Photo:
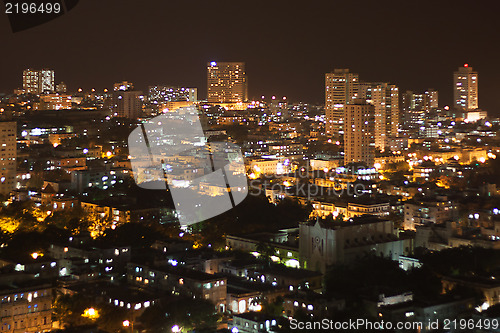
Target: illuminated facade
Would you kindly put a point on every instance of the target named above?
(385, 99)
(340, 87)
(7, 157)
(27, 309)
(54, 102)
(465, 88)
(226, 82)
(386, 103)
(322, 244)
(415, 107)
(38, 81)
(161, 94)
(127, 101)
(61, 88)
(359, 133)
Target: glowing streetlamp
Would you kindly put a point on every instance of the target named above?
(126, 323)
(176, 329)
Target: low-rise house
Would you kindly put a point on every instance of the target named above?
(181, 281)
(286, 277)
(313, 304)
(254, 322)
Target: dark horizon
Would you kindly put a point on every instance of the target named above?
(287, 46)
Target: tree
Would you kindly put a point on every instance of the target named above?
(9, 224)
(273, 309)
(70, 310)
(266, 251)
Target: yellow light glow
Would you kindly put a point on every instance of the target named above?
(90, 313)
(126, 323)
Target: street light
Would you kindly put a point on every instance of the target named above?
(126, 323)
(176, 329)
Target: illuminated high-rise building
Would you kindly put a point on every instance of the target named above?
(465, 88)
(416, 107)
(385, 99)
(123, 86)
(127, 102)
(341, 87)
(226, 82)
(61, 88)
(431, 99)
(359, 141)
(38, 81)
(7, 156)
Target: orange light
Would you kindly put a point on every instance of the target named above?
(90, 313)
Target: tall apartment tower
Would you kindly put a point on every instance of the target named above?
(38, 81)
(359, 141)
(7, 156)
(415, 107)
(431, 99)
(385, 99)
(226, 82)
(127, 101)
(341, 87)
(465, 85)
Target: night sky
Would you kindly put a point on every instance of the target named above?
(287, 45)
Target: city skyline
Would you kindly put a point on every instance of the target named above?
(418, 59)
(256, 167)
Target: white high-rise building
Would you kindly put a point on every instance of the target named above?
(8, 155)
(341, 87)
(465, 88)
(359, 142)
(38, 81)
